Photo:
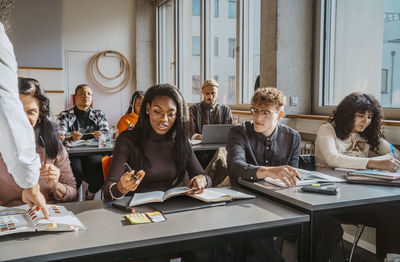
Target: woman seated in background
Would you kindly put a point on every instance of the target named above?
(128, 121)
(352, 134)
(57, 183)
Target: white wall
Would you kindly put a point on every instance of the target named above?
(90, 26)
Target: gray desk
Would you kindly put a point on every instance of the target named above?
(90, 150)
(202, 147)
(352, 197)
(109, 237)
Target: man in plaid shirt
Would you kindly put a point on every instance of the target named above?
(83, 122)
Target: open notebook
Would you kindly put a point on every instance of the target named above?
(307, 178)
(209, 195)
(25, 219)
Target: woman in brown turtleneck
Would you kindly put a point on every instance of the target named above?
(157, 148)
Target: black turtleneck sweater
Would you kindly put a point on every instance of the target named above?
(83, 123)
(161, 170)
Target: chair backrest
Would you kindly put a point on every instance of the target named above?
(105, 164)
(307, 162)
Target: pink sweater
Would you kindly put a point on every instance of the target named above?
(10, 192)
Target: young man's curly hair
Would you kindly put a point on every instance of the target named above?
(268, 96)
(344, 114)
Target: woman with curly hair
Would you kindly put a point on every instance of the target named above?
(354, 132)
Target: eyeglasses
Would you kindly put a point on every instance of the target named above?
(264, 113)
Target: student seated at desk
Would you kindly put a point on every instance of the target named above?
(57, 183)
(158, 150)
(208, 111)
(83, 122)
(128, 121)
(353, 132)
(264, 148)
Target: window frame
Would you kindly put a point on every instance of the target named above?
(320, 70)
(207, 47)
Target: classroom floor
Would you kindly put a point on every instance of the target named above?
(360, 254)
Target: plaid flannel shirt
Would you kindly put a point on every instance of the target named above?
(67, 118)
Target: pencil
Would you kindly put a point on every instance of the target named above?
(129, 169)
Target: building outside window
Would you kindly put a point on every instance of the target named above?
(232, 8)
(196, 7)
(215, 46)
(216, 8)
(231, 47)
(362, 52)
(196, 45)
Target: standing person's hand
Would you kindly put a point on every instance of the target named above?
(32, 196)
(76, 135)
(198, 183)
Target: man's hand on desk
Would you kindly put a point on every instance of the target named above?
(286, 174)
(198, 137)
(97, 134)
(33, 196)
(76, 135)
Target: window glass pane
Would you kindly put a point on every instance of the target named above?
(223, 63)
(232, 9)
(166, 62)
(189, 50)
(196, 45)
(250, 47)
(216, 8)
(390, 83)
(196, 7)
(362, 51)
(215, 46)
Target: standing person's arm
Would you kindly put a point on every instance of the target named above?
(16, 134)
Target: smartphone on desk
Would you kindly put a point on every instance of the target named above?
(321, 189)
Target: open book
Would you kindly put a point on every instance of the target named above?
(306, 178)
(209, 195)
(24, 219)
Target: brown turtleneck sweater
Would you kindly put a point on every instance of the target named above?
(161, 171)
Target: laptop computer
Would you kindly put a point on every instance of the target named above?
(215, 134)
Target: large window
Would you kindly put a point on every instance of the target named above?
(166, 43)
(361, 51)
(207, 41)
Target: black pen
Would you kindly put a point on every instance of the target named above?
(129, 169)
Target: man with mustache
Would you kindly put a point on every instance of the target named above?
(83, 122)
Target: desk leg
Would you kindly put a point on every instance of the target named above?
(303, 245)
(313, 237)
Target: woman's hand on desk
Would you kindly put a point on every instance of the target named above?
(391, 165)
(286, 174)
(198, 183)
(128, 183)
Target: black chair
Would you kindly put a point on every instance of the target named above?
(307, 162)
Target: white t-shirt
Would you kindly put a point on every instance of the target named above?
(17, 142)
(352, 152)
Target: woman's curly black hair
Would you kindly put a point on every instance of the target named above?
(343, 118)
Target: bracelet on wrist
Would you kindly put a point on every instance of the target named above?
(112, 196)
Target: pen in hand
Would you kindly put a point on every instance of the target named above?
(391, 147)
(129, 169)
